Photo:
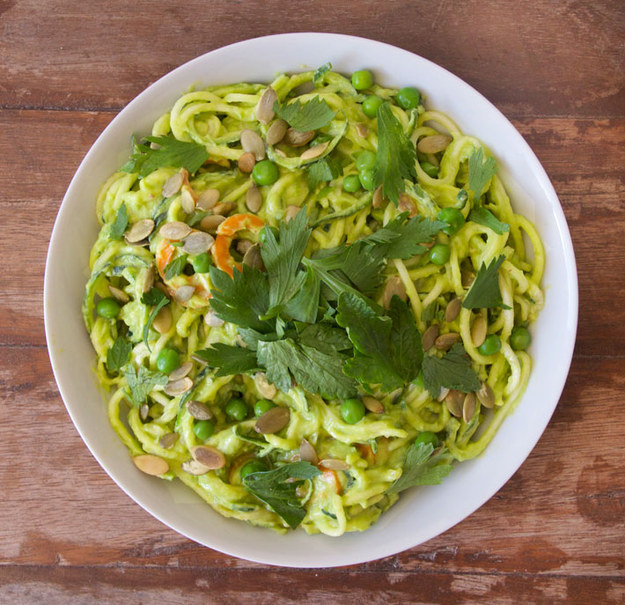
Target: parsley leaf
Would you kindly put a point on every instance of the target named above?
(142, 382)
(405, 340)
(396, 155)
(316, 370)
(153, 297)
(176, 266)
(320, 72)
(159, 300)
(310, 115)
(485, 292)
(326, 169)
(422, 467)
(119, 354)
(229, 360)
(485, 217)
(453, 371)
(324, 337)
(272, 488)
(305, 304)
(170, 153)
(121, 222)
(480, 171)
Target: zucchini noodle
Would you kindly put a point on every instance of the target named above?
(372, 451)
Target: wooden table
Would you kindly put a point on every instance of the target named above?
(555, 533)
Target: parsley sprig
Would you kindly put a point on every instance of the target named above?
(310, 115)
(422, 467)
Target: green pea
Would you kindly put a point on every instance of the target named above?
(439, 254)
(262, 406)
(370, 105)
(203, 429)
(167, 360)
(365, 160)
(454, 219)
(427, 437)
(201, 263)
(362, 79)
(265, 172)
(351, 183)
(237, 409)
(367, 179)
(408, 97)
(520, 338)
(491, 345)
(352, 411)
(429, 169)
(253, 466)
(108, 308)
(262, 236)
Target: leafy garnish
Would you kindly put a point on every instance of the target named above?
(170, 153)
(305, 304)
(159, 300)
(142, 382)
(228, 359)
(320, 72)
(480, 172)
(176, 266)
(453, 371)
(309, 115)
(153, 297)
(278, 489)
(326, 169)
(119, 354)
(323, 336)
(485, 217)
(121, 222)
(396, 155)
(422, 467)
(485, 292)
(405, 340)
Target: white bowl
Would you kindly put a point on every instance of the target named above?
(421, 513)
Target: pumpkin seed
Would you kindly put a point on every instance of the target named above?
(434, 143)
(246, 162)
(291, 212)
(264, 387)
(486, 396)
(466, 277)
(172, 185)
(307, 452)
(252, 257)
(207, 199)
(394, 287)
(407, 205)
(175, 230)
(253, 199)
(314, 152)
(276, 132)
(193, 467)
(198, 410)
(332, 464)
(454, 402)
(453, 309)
(148, 279)
(264, 109)
(429, 336)
(144, 410)
(168, 440)
(251, 141)
(297, 138)
(224, 208)
(468, 407)
(139, 231)
(445, 341)
(177, 387)
(187, 201)
(362, 130)
(478, 330)
(212, 320)
(372, 404)
(243, 245)
(163, 320)
(273, 420)
(212, 221)
(198, 242)
(209, 456)
(181, 371)
(151, 465)
(118, 294)
(442, 394)
(378, 198)
(184, 293)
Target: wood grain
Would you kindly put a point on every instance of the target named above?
(555, 533)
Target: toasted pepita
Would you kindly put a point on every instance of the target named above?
(139, 231)
(209, 456)
(212, 221)
(207, 199)
(253, 199)
(297, 138)
(187, 201)
(291, 212)
(264, 387)
(198, 242)
(453, 309)
(307, 452)
(118, 294)
(251, 142)
(393, 287)
(177, 387)
(362, 130)
(454, 402)
(373, 404)
(175, 230)
(264, 109)
(273, 420)
(181, 371)
(276, 132)
(150, 464)
(224, 208)
(184, 293)
(445, 341)
(252, 257)
(486, 395)
(333, 464)
(168, 440)
(199, 410)
(478, 330)
(246, 162)
(172, 185)
(163, 320)
(429, 336)
(434, 143)
(314, 152)
(193, 467)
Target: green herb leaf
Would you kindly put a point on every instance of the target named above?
(324, 337)
(119, 354)
(407, 349)
(317, 371)
(480, 172)
(229, 360)
(176, 266)
(309, 115)
(272, 488)
(422, 467)
(485, 217)
(153, 297)
(305, 304)
(142, 382)
(324, 170)
(453, 371)
(320, 72)
(396, 155)
(485, 292)
(118, 227)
